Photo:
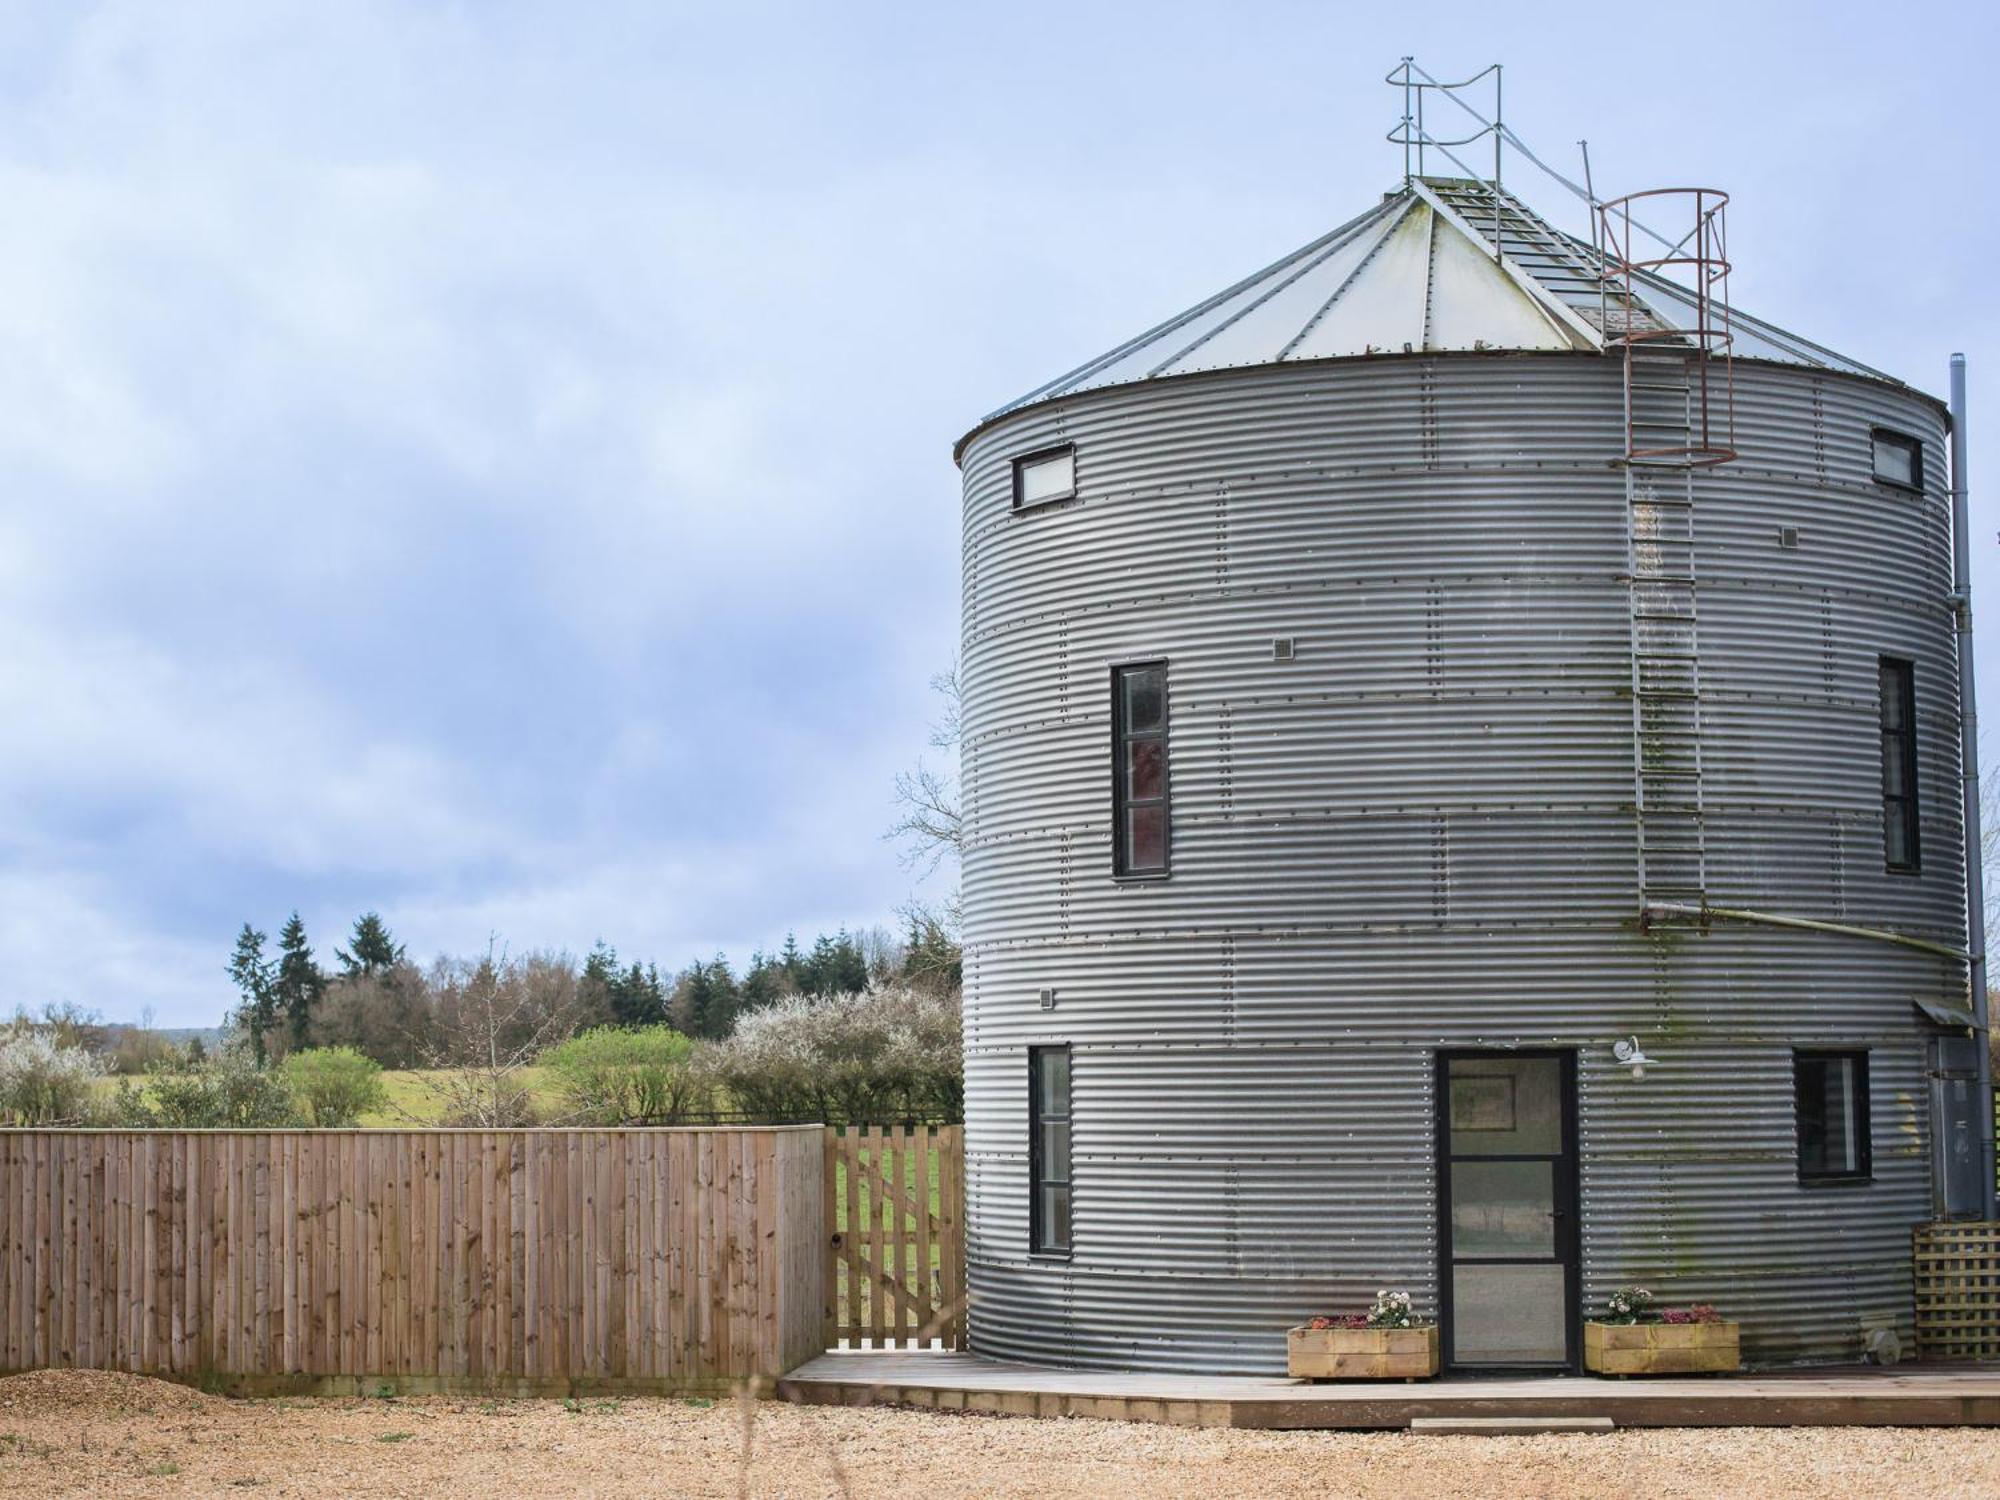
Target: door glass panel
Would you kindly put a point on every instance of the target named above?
(1507, 1249)
(1503, 1209)
(1506, 1106)
(1508, 1315)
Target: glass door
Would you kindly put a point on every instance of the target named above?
(1507, 1181)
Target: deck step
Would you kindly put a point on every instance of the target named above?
(1507, 1426)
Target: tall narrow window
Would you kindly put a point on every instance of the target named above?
(1048, 1150)
(1831, 1091)
(1899, 766)
(1140, 825)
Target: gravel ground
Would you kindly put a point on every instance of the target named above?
(84, 1433)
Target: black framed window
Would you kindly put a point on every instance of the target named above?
(1900, 852)
(1141, 826)
(1045, 476)
(1898, 459)
(1831, 1089)
(1048, 1150)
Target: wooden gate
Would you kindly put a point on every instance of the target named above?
(895, 1213)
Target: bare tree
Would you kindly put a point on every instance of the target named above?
(930, 826)
(494, 1019)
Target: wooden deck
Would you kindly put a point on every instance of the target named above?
(1909, 1396)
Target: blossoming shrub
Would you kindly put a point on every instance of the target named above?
(44, 1083)
(889, 1053)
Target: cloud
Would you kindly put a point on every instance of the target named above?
(491, 463)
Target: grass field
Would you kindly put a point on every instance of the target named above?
(413, 1102)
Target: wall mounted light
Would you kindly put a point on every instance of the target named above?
(1627, 1052)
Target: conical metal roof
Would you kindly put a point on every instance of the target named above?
(1417, 273)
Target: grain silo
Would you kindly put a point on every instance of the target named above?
(1462, 789)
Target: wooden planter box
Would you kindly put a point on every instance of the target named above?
(1660, 1348)
(1362, 1353)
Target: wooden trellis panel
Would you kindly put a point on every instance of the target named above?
(895, 1216)
(1957, 1280)
(520, 1259)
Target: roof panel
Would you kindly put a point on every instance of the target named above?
(1285, 309)
(1403, 274)
(1474, 305)
(1379, 309)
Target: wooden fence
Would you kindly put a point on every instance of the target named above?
(895, 1271)
(526, 1260)
(1956, 1275)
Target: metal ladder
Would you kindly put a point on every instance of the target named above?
(1665, 627)
(1679, 408)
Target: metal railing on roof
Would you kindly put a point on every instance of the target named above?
(1412, 134)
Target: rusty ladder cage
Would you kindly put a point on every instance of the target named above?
(1707, 425)
(1679, 418)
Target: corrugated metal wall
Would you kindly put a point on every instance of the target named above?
(1419, 833)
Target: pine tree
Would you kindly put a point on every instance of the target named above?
(251, 973)
(850, 965)
(931, 956)
(636, 996)
(656, 996)
(816, 973)
(370, 950)
(299, 983)
(836, 966)
(763, 982)
(706, 999)
(601, 966)
(793, 965)
(725, 999)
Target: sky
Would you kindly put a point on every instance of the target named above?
(491, 463)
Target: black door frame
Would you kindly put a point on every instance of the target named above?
(1568, 1206)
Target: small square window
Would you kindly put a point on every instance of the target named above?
(1045, 476)
(1899, 459)
(1831, 1095)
